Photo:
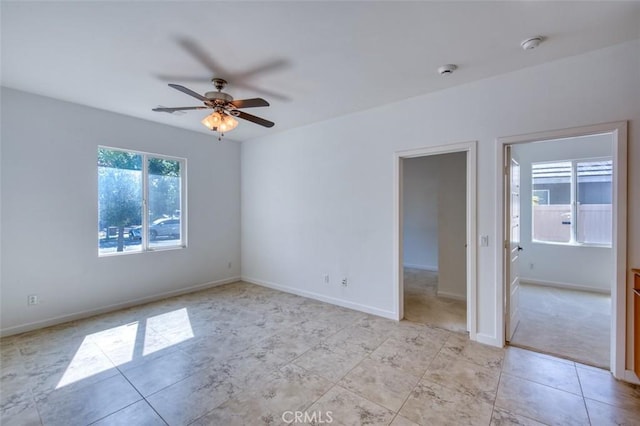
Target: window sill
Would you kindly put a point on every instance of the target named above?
(150, 250)
(555, 243)
(166, 248)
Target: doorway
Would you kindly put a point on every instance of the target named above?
(564, 269)
(435, 236)
(434, 207)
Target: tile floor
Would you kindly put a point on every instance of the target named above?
(567, 323)
(422, 304)
(240, 354)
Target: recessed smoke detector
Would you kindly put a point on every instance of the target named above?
(531, 43)
(447, 69)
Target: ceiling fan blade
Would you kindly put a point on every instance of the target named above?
(268, 93)
(189, 92)
(183, 78)
(261, 69)
(254, 119)
(166, 109)
(201, 56)
(249, 103)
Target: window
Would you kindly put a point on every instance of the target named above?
(572, 202)
(140, 201)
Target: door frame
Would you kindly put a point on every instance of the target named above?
(619, 289)
(471, 264)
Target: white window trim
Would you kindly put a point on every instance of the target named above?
(144, 239)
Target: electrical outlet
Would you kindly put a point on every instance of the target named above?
(325, 277)
(345, 282)
(229, 265)
(484, 241)
(32, 299)
(531, 265)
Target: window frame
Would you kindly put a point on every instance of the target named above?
(573, 242)
(144, 234)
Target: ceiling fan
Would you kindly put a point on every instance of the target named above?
(224, 107)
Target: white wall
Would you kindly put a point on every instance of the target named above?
(588, 268)
(319, 199)
(49, 212)
(420, 182)
(452, 225)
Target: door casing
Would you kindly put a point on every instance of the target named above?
(619, 289)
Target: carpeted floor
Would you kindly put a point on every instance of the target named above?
(421, 303)
(570, 324)
(567, 323)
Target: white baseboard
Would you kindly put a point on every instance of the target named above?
(567, 286)
(453, 296)
(630, 376)
(109, 308)
(322, 298)
(489, 340)
(429, 268)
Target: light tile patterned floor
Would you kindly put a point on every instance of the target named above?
(422, 303)
(246, 355)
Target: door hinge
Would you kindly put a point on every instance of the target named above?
(506, 244)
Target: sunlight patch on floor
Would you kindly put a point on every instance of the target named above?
(175, 326)
(106, 349)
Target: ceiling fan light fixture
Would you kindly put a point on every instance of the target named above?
(219, 122)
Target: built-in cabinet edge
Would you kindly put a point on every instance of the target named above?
(636, 321)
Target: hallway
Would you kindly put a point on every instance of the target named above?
(421, 303)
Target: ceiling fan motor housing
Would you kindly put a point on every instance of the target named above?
(218, 96)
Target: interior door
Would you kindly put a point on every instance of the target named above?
(512, 244)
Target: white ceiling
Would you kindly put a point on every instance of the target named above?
(310, 60)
